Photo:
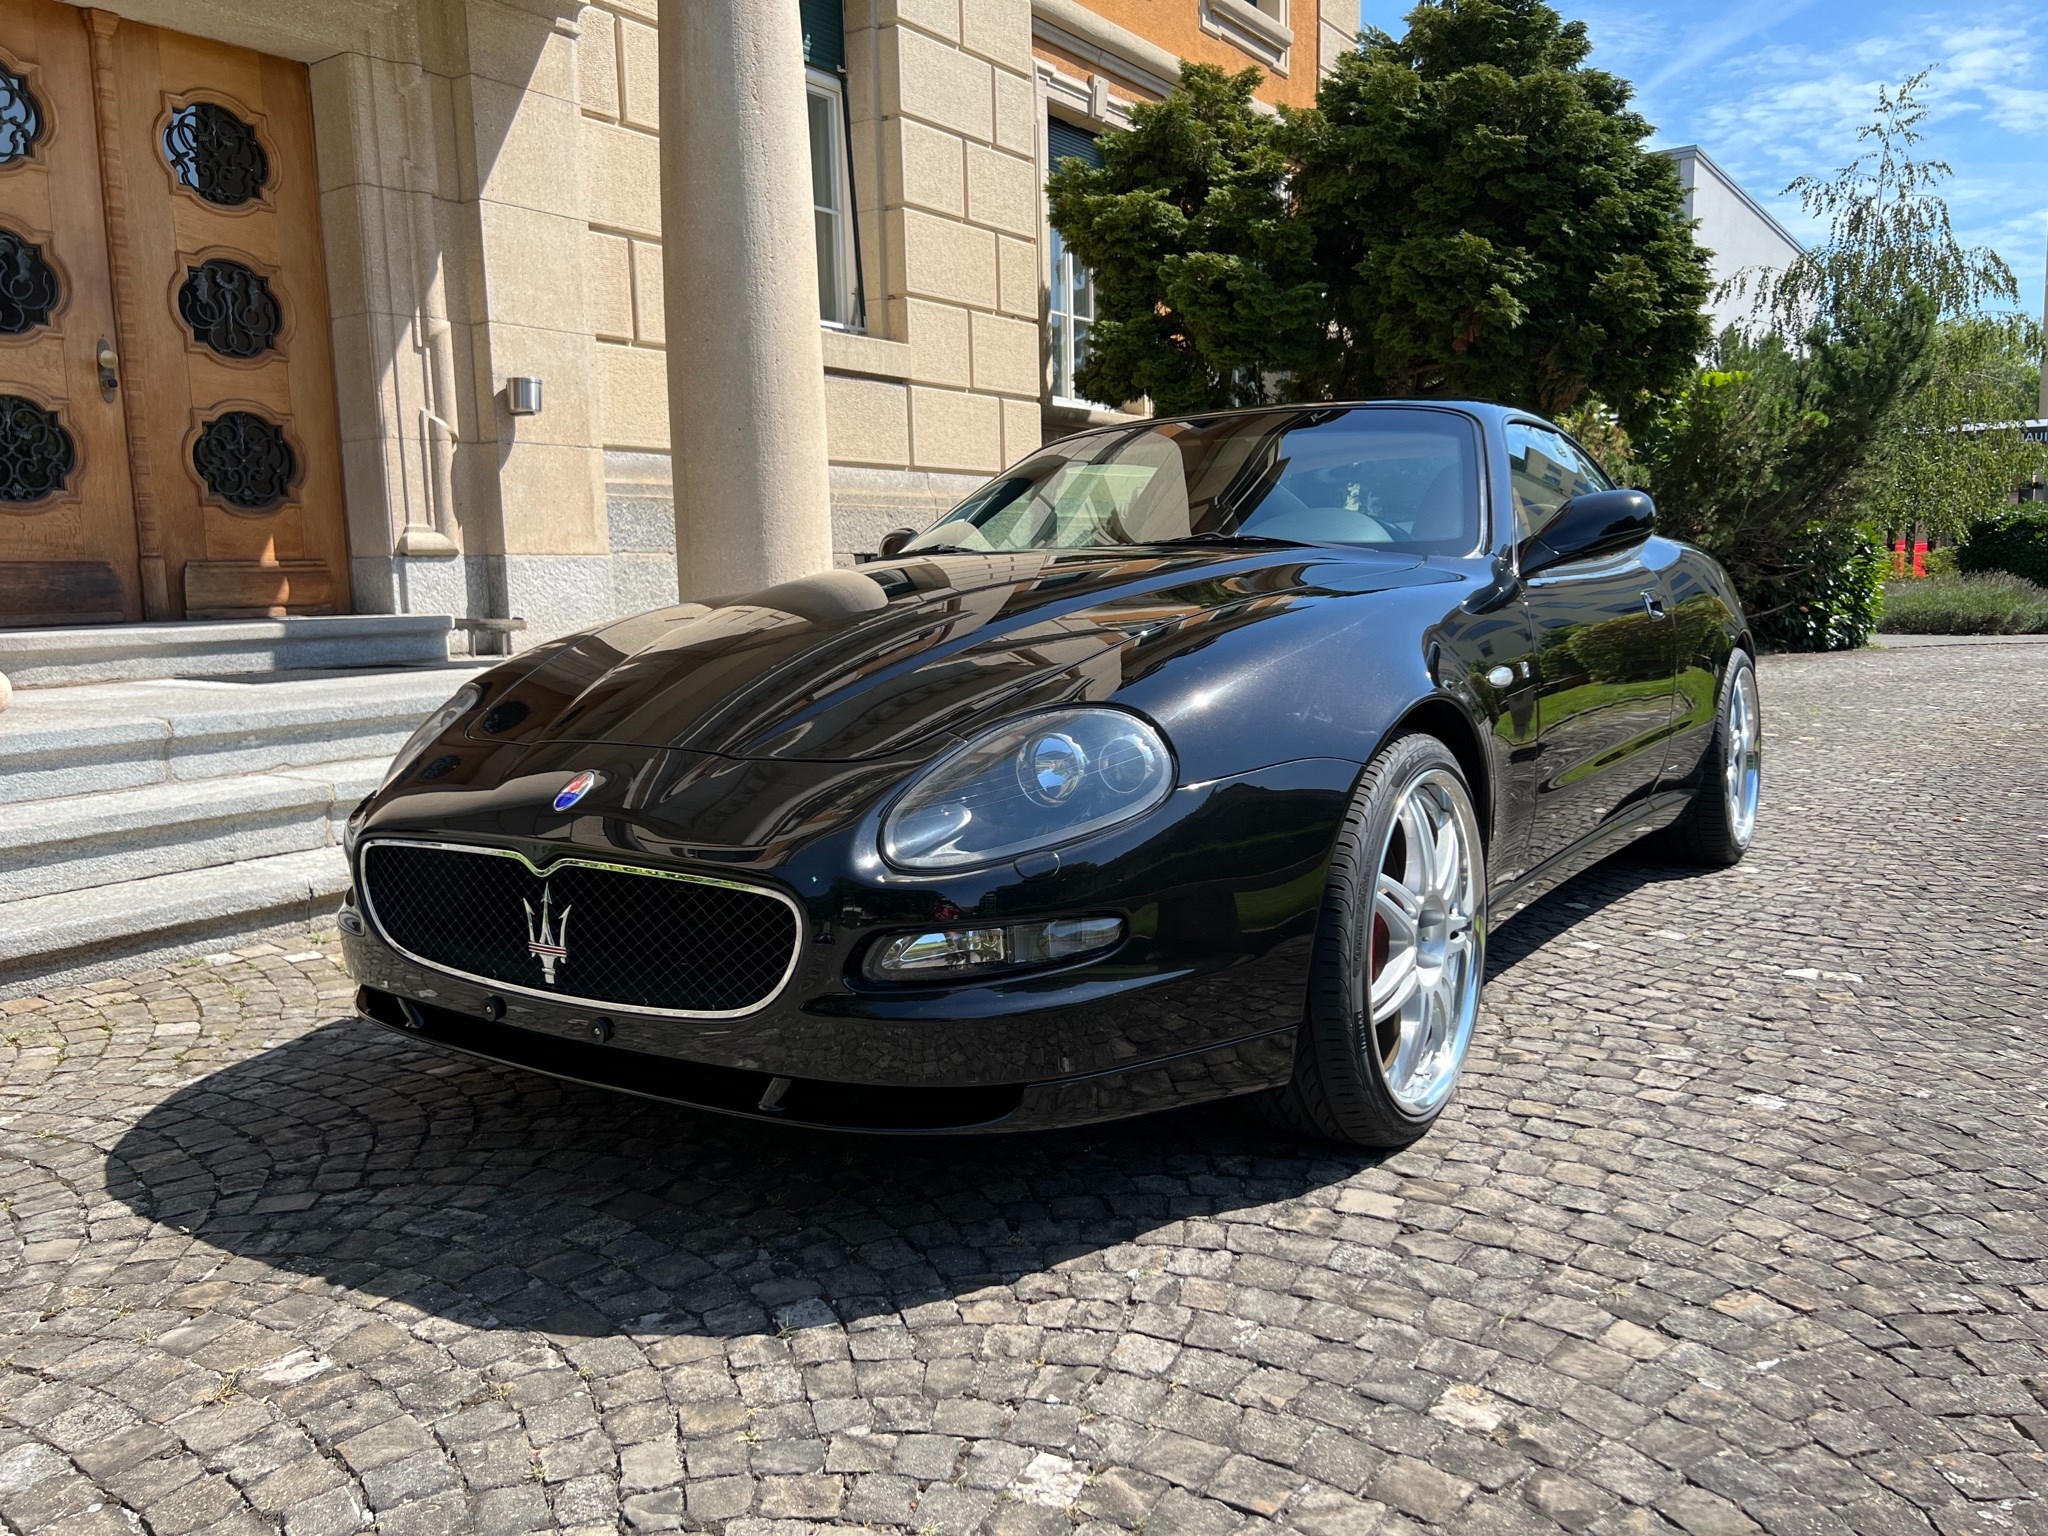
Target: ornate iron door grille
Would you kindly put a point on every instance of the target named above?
(245, 461)
(36, 453)
(28, 288)
(230, 308)
(615, 936)
(21, 117)
(215, 154)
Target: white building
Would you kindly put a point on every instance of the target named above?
(1738, 231)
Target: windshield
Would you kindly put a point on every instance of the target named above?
(1391, 477)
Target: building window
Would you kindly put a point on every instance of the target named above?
(1070, 314)
(1070, 300)
(1259, 27)
(839, 297)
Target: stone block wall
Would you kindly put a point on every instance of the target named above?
(943, 387)
(491, 192)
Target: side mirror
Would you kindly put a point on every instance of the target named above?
(893, 542)
(1598, 523)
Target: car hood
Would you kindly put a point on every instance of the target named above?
(875, 661)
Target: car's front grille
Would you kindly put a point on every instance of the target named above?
(645, 940)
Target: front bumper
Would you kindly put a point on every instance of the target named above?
(1220, 889)
(1218, 1071)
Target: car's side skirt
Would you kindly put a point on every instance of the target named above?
(1651, 815)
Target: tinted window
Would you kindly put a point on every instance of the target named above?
(1391, 477)
(1545, 470)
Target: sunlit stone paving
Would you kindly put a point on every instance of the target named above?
(1740, 1221)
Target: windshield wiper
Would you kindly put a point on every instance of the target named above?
(1235, 538)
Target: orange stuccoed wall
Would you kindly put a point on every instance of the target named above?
(1176, 25)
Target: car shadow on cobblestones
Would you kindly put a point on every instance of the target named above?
(1552, 916)
(497, 1198)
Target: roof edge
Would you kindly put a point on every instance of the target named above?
(1734, 186)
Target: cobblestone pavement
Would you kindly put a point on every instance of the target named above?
(1739, 1222)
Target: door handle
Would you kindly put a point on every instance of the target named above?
(1653, 605)
(108, 362)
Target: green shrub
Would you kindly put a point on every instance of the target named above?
(1993, 603)
(1826, 595)
(1942, 562)
(2017, 543)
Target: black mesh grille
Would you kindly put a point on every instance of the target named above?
(644, 940)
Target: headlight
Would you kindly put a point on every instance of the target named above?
(1027, 784)
(467, 697)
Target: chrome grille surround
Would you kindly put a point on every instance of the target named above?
(366, 890)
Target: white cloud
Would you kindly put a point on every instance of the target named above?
(1774, 103)
(1710, 40)
(2018, 109)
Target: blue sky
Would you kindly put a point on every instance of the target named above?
(1773, 89)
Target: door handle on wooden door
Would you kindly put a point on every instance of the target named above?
(110, 380)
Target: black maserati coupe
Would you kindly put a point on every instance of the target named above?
(1186, 759)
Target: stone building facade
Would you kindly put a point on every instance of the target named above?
(440, 367)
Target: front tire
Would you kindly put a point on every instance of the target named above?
(1400, 956)
(1716, 828)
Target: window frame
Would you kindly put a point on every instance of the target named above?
(1060, 338)
(1062, 263)
(824, 85)
(1524, 531)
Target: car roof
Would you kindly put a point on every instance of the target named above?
(1485, 410)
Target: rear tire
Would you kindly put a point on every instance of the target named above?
(1400, 957)
(1716, 829)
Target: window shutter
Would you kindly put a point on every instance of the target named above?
(824, 23)
(1063, 141)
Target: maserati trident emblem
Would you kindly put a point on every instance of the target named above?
(547, 941)
(575, 789)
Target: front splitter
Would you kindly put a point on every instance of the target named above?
(1234, 1067)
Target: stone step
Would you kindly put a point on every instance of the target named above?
(48, 847)
(49, 933)
(49, 658)
(97, 738)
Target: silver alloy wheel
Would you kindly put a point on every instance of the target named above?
(1742, 771)
(1427, 942)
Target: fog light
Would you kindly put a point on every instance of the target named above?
(951, 951)
(1031, 943)
(948, 949)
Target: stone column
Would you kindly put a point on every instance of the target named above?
(746, 385)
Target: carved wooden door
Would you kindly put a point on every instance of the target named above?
(213, 206)
(67, 529)
(168, 441)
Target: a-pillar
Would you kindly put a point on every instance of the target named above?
(746, 386)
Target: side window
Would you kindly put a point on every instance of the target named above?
(1070, 311)
(839, 296)
(1545, 470)
(1070, 292)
